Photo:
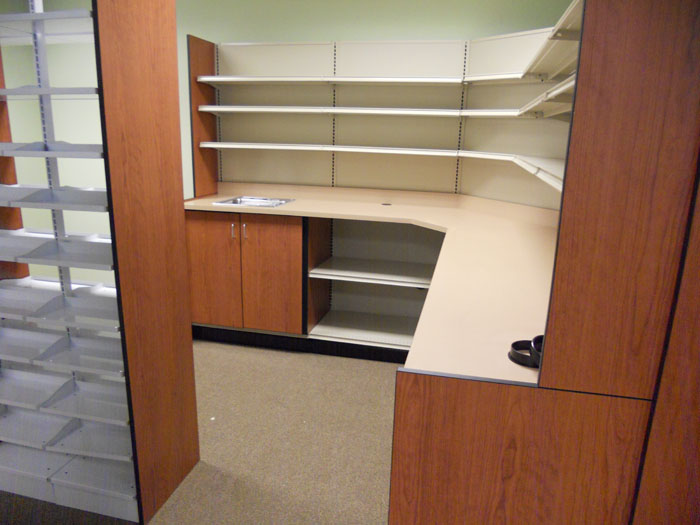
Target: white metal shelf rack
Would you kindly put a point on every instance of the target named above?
(64, 418)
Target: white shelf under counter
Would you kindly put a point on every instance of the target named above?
(393, 273)
(390, 331)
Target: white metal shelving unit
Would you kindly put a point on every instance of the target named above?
(64, 418)
(553, 102)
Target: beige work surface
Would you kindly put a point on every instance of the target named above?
(492, 279)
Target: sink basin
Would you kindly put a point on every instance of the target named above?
(258, 202)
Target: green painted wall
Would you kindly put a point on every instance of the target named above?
(328, 20)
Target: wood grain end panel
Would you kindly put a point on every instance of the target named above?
(631, 168)
(205, 161)
(138, 71)
(670, 482)
(319, 250)
(10, 218)
(475, 452)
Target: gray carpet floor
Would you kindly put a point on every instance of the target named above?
(287, 438)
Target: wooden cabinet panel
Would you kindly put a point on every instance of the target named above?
(215, 267)
(10, 218)
(319, 250)
(477, 452)
(205, 162)
(670, 483)
(271, 263)
(141, 125)
(629, 179)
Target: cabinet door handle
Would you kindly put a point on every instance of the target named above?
(233, 230)
(245, 233)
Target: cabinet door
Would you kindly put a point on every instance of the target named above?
(214, 248)
(272, 272)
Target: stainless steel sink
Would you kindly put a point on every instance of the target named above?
(258, 202)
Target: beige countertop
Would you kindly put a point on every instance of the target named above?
(492, 279)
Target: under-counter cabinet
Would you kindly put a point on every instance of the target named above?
(246, 270)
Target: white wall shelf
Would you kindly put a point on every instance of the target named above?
(391, 331)
(30, 428)
(548, 170)
(51, 150)
(552, 102)
(393, 273)
(99, 402)
(24, 346)
(558, 55)
(222, 80)
(94, 440)
(27, 389)
(65, 198)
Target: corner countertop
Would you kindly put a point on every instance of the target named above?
(491, 283)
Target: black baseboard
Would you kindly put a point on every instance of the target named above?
(299, 344)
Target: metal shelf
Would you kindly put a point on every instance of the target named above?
(559, 53)
(215, 80)
(94, 252)
(90, 307)
(59, 27)
(24, 461)
(51, 150)
(108, 478)
(393, 273)
(29, 428)
(94, 440)
(65, 198)
(25, 91)
(550, 171)
(28, 389)
(24, 346)
(92, 355)
(103, 403)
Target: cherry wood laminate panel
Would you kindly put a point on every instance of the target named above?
(319, 250)
(138, 56)
(205, 161)
(670, 483)
(629, 179)
(476, 452)
(271, 263)
(10, 218)
(214, 250)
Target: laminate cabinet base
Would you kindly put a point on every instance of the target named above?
(299, 344)
(478, 452)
